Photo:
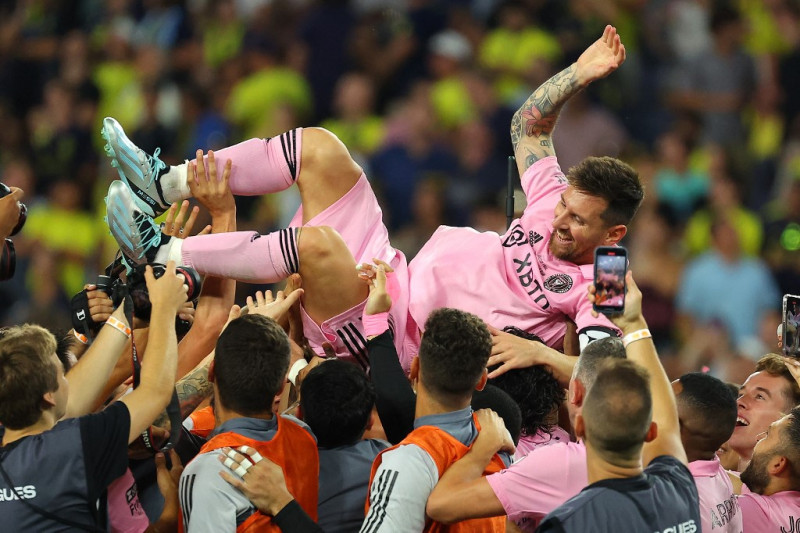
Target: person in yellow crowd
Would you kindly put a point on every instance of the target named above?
(223, 33)
(450, 52)
(516, 51)
(355, 121)
(256, 99)
(724, 202)
(60, 226)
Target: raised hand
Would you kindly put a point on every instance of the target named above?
(177, 224)
(274, 308)
(211, 191)
(167, 292)
(380, 299)
(602, 57)
(631, 318)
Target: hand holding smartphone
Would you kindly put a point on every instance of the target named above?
(791, 325)
(610, 266)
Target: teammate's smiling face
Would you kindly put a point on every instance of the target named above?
(578, 227)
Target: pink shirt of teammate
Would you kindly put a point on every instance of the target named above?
(540, 482)
(125, 513)
(719, 510)
(509, 279)
(778, 513)
(529, 443)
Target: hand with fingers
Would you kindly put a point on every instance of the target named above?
(259, 479)
(602, 57)
(10, 211)
(100, 305)
(167, 293)
(794, 367)
(512, 352)
(380, 299)
(177, 224)
(212, 191)
(274, 308)
(168, 480)
(493, 436)
(631, 318)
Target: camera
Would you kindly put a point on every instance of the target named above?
(134, 286)
(8, 256)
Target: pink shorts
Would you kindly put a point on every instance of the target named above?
(359, 220)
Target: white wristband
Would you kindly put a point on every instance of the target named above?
(634, 336)
(298, 365)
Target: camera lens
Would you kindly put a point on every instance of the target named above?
(23, 210)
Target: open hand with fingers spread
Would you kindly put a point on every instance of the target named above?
(602, 57)
(274, 308)
(211, 190)
(180, 223)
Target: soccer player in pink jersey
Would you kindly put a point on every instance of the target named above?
(770, 499)
(536, 272)
(707, 412)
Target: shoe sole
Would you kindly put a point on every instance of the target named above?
(143, 200)
(118, 228)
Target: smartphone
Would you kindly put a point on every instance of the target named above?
(791, 325)
(610, 266)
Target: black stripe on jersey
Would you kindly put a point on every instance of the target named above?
(359, 341)
(287, 239)
(186, 498)
(382, 495)
(343, 334)
(288, 145)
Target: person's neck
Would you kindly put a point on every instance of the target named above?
(599, 469)
(428, 405)
(45, 423)
(779, 484)
(698, 455)
(223, 415)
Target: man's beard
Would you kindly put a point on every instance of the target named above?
(557, 253)
(755, 476)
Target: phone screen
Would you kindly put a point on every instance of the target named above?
(791, 325)
(610, 265)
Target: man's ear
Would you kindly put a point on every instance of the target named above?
(777, 465)
(482, 382)
(49, 399)
(652, 432)
(211, 375)
(414, 374)
(577, 392)
(614, 234)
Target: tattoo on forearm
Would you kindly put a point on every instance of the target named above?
(538, 114)
(192, 390)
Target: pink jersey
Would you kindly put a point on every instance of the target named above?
(528, 443)
(719, 509)
(125, 513)
(540, 482)
(778, 513)
(509, 279)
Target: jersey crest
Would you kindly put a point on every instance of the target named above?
(558, 283)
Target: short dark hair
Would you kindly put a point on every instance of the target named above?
(594, 355)
(27, 372)
(336, 401)
(774, 365)
(453, 353)
(500, 402)
(250, 364)
(534, 389)
(612, 180)
(708, 410)
(790, 444)
(618, 410)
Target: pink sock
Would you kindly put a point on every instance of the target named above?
(244, 255)
(261, 166)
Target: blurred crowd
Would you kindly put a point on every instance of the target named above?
(422, 92)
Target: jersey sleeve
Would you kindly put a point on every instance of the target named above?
(400, 490)
(538, 483)
(104, 437)
(543, 184)
(208, 503)
(591, 328)
(755, 512)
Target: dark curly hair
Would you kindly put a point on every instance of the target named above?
(534, 389)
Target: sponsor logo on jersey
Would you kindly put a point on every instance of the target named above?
(684, 527)
(559, 283)
(534, 237)
(515, 237)
(529, 282)
(28, 492)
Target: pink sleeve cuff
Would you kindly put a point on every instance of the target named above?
(375, 324)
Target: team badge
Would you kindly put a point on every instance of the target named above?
(559, 283)
(515, 237)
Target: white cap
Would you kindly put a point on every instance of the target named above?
(451, 44)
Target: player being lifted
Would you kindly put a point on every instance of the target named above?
(532, 276)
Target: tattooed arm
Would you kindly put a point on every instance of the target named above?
(192, 390)
(533, 123)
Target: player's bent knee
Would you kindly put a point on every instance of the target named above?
(321, 243)
(323, 151)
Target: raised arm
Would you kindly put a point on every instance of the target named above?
(167, 295)
(533, 123)
(643, 352)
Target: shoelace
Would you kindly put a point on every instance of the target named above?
(147, 242)
(156, 165)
